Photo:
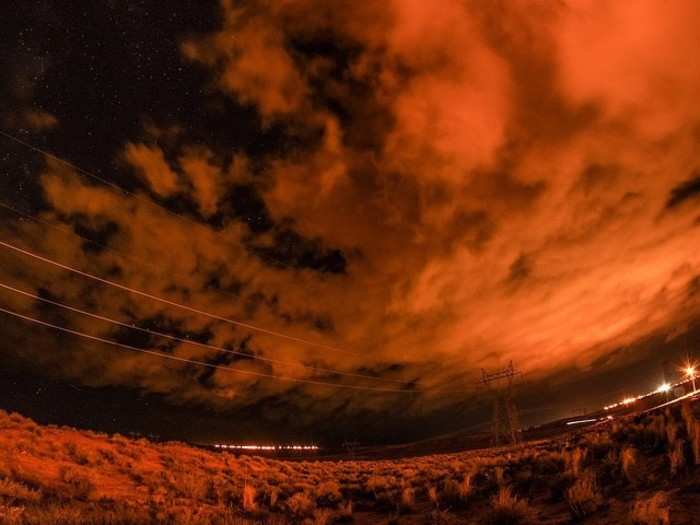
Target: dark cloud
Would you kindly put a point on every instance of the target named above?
(685, 191)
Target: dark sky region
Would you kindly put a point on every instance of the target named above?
(406, 191)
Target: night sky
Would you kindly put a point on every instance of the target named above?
(383, 196)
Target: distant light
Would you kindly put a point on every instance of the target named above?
(628, 400)
(665, 387)
(690, 371)
(581, 421)
(265, 447)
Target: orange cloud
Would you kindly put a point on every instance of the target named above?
(150, 164)
(497, 178)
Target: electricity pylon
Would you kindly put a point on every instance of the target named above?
(506, 427)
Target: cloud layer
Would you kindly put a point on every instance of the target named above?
(462, 185)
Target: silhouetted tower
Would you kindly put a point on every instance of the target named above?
(506, 427)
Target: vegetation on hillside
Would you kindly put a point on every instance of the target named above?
(641, 470)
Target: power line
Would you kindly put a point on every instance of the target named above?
(191, 342)
(66, 162)
(196, 362)
(103, 246)
(38, 220)
(150, 202)
(171, 303)
(434, 390)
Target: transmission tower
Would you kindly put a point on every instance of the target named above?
(506, 427)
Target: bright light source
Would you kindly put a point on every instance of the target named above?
(628, 400)
(664, 388)
(690, 371)
(581, 421)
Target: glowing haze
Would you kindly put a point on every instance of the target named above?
(456, 185)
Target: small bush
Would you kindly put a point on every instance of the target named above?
(433, 496)
(249, 503)
(574, 460)
(15, 491)
(328, 494)
(75, 454)
(322, 517)
(344, 514)
(583, 496)
(76, 486)
(456, 493)
(676, 457)
(506, 509)
(651, 511)
(628, 459)
(408, 499)
(301, 505)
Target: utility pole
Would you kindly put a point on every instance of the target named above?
(505, 427)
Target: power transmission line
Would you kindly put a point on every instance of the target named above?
(103, 246)
(171, 303)
(200, 363)
(150, 202)
(70, 231)
(191, 342)
(194, 310)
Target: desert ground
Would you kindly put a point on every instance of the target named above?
(642, 469)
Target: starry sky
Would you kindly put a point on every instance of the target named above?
(385, 197)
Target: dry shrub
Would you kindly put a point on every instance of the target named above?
(506, 509)
(672, 430)
(408, 499)
(433, 495)
(651, 511)
(574, 460)
(107, 456)
(11, 515)
(53, 515)
(301, 505)
(249, 493)
(377, 484)
(660, 427)
(443, 517)
(547, 464)
(344, 514)
(322, 517)
(76, 485)
(456, 493)
(583, 496)
(328, 494)
(189, 484)
(75, 454)
(676, 457)
(692, 427)
(273, 495)
(498, 473)
(16, 491)
(628, 458)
